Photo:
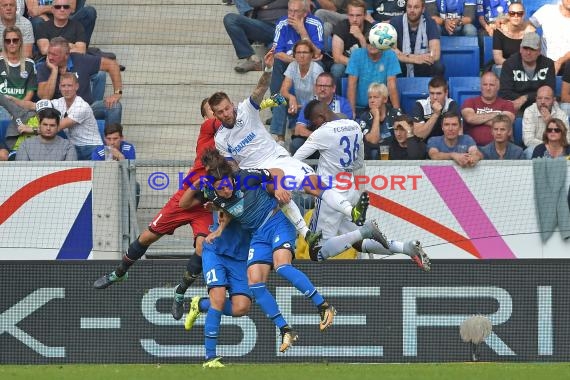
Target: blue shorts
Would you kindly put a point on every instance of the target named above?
(277, 233)
(225, 271)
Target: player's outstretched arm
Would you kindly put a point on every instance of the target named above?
(189, 198)
(223, 220)
(263, 84)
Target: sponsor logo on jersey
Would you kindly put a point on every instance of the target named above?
(242, 144)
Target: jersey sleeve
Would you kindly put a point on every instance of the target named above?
(315, 142)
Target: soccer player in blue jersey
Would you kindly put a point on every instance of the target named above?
(224, 260)
(245, 196)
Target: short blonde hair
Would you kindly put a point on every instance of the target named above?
(379, 88)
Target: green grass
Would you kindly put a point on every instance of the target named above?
(445, 371)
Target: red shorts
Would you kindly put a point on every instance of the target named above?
(173, 216)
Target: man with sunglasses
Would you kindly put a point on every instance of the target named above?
(524, 72)
(537, 115)
(9, 17)
(61, 25)
(40, 11)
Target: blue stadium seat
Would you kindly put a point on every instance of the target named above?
(487, 49)
(460, 55)
(517, 132)
(410, 90)
(343, 86)
(558, 90)
(101, 125)
(461, 88)
(3, 128)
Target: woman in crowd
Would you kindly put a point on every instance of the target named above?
(299, 84)
(555, 143)
(508, 36)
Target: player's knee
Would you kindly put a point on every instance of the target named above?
(240, 309)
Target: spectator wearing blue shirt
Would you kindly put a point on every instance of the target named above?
(455, 17)
(59, 60)
(325, 90)
(501, 148)
(452, 146)
(418, 45)
(369, 65)
(489, 13)
(117, 147)
(298, 25)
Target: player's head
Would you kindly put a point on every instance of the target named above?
(206, 110)
(318, 113)
(114, 135)
(49, 123)
(223, 108)
(220, 173)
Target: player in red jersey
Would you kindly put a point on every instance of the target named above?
(171, 217)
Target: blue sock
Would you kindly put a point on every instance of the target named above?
(301, 282)
(227, 310)
(204, 304)
(267, 303)
(211, 330)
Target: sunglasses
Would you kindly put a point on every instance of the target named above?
(13, 41)
(64, 6)
(513, 13)
(553, 130)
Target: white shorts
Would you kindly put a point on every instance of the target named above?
(331, 222)
(295, 171)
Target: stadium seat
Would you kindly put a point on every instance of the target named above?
(410, 90)
(461, 88)
(558, 90)
(3, 128)
(517, 132)
(460, 55)
(487, 49)
(343, 86)
(101, 126)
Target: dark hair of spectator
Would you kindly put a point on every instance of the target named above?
(450, 115)
(113, 128)
(437, 82)
(49, 113)
(405, 118)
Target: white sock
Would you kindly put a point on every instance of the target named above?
(338, 244)
(337, 202)
(293, 213)
(372, 246)
(396, 246)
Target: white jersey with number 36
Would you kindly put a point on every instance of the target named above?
(340, 145)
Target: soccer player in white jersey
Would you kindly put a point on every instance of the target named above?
(243, 138)
(339, 143)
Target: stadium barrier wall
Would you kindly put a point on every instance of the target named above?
(388, 311)
(86, 210)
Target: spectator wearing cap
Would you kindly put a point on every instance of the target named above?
(78, 120)
(47, 146)
(524, 72)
